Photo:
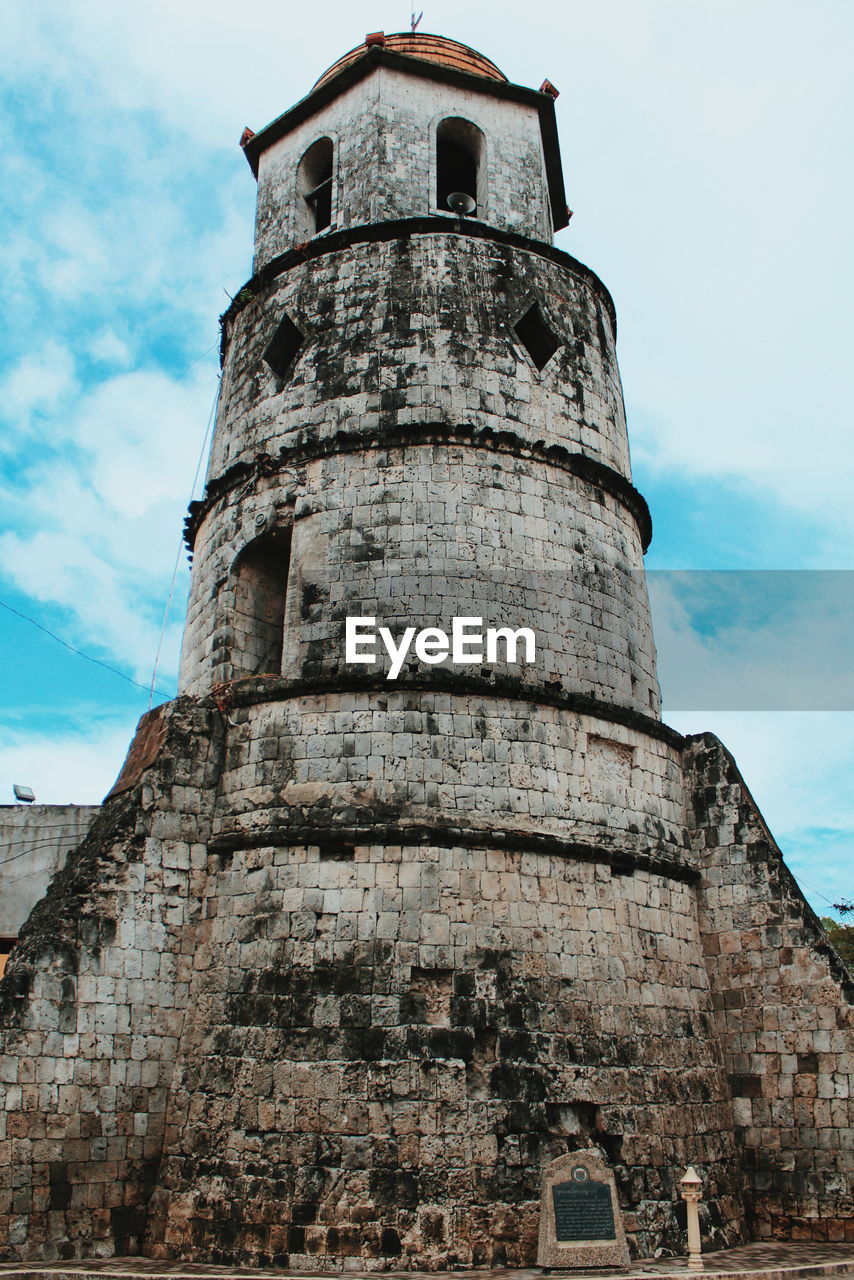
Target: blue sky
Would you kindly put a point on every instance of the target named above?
(705, 147)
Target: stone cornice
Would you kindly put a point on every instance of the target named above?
(623, 861)
(402, 229)
(256, 690)
(308, 447)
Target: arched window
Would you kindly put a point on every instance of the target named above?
(260, 589)
(459, 156)
(314, 187)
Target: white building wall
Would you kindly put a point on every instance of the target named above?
(34, 842)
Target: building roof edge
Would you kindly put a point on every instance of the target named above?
(378, 57)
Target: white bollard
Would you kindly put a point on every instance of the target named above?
(692, 1191)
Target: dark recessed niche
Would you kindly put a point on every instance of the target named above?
(284, 347)
(260, 592)
(336, 851)
(536, 337)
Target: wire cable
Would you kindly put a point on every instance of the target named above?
(202, 452)
(39, 826)
(806, 884)
(5, 845)
(48, 844)
(80, 653)
(148, 688)
(30, 875)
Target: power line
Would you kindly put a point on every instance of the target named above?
(48, 844)
(202, 451)
(29, 875)
(40, 826)
(47, 826)
(149, 689)
(814, 890)
(88, 656)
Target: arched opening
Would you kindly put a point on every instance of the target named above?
(260, 590)
(459, 155)
(314, 187)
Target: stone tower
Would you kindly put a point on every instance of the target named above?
(348, 959)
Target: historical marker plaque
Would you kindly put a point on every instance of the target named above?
(580, 1223)
(583, 1209)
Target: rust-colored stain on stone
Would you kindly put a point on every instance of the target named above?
(144, 750)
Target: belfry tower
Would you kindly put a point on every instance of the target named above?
(348, 960)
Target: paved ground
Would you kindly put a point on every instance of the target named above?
(751, 1261)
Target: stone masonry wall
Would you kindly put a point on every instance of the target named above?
(785, 1010)
(428, 533)
(92, 1004)
(383, 131)
(481, 763)
(432, 344)
(432, 351)
(386, 1042)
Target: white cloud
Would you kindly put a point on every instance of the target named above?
(98, 528)
(710, 194)
(107, 347)
(797, 764)
(200, 66)
(109, 610)
(66, 768)
(754, 640)
(142, 432)
(39, 382)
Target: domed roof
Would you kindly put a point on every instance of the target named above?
(417, 44)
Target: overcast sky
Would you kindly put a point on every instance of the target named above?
(706, 147)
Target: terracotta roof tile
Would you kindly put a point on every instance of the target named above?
(416, 44)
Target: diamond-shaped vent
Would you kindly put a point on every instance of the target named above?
(284, 347)
(536, 337)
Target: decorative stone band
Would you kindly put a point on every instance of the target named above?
(307, 447)
(254, 690)
(621, 861)
(401, 229)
